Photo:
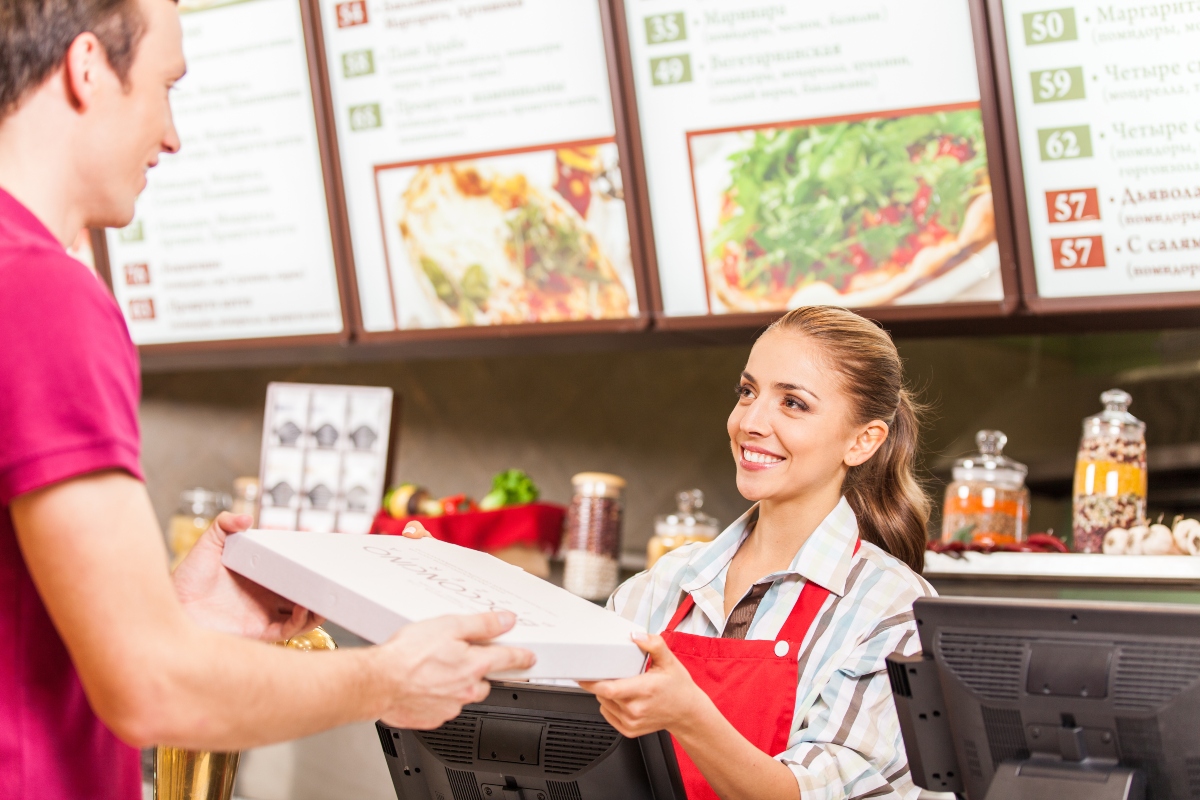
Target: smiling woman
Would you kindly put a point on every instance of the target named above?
(769, 668)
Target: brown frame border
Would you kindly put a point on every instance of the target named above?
(997, 173)
(1020, 207)
(633, 216)
(318, 93)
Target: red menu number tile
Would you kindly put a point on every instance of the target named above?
(351, 13)
(1072, 205)
(141, 309)
(137, 274)
(1080, 252)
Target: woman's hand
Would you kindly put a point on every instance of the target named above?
(664, 697)
(415, 530)
(220, 600)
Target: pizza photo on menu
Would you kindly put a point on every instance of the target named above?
(872, 211)
(529, 237)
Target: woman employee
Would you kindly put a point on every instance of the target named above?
(769, 669)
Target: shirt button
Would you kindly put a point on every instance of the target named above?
(781, 648)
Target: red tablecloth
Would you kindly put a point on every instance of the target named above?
(539, 524)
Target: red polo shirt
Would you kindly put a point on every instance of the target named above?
(69, 387)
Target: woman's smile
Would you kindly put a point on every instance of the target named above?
(756, 459)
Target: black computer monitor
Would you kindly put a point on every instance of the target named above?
(530, 742)
(1051, 699)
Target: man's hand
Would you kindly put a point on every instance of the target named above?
(224, 601)
(664, 697)
(220, 600)
(437, 666)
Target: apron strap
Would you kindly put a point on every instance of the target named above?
(685, 608)
(795, 628)
(804, 613)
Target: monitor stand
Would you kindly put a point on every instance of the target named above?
(1048, 778)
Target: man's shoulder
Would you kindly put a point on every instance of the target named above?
(39, 282)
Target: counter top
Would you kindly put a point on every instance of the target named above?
(1064, 567)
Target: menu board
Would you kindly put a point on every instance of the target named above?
(815, 153)
(480, 162)
(231, 238)
(1104, 111)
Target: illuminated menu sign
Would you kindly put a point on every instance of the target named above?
(479, 162)
(1109, 131)
(805, 153)
(231, 238)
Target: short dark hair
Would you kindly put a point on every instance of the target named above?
(36, 34)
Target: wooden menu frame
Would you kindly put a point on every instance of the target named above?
(335, 211)
(1020, 207)
(634, 216)
(888, 313)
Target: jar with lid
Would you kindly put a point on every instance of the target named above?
(247, 493)
(197, 509)
(987, 502)
(592, 544)
(1110, 473)
(688, 524)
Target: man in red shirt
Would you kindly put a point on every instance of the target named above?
(101, 650)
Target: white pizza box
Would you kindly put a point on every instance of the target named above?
(374, 585)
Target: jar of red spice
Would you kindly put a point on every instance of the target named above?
(592, 543)
(987, 502)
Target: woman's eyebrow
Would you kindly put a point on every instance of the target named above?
(746, 376)
(792, 387)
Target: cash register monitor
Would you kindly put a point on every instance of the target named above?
(1049, 699)
(530, 742)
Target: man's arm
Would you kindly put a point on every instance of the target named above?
(93, 548)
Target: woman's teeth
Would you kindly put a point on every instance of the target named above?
(759, 458)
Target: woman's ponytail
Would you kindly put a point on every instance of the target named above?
(891, 507)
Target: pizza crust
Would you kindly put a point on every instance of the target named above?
(978, 229)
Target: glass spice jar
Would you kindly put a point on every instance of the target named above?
(197, 509)
(247, 492)
(688, 524)
(592, 543)
(1110, 473)
(987, 502)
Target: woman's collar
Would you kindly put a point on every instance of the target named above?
(825, 557)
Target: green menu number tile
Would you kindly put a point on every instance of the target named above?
(661, 28)
(1061, 144)
(671, 70)
(358, 62)
(1053, 85)
(1046, 27)
(133, 232)
(365, 117)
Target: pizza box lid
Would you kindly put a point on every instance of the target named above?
(374, 585)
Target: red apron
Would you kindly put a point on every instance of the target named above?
(751, 681)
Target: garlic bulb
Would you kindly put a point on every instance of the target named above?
(1187, 536)
(1116, 542)
(1137, 535)
(1158, 541)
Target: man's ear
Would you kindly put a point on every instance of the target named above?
(870, 438)
(84, 67)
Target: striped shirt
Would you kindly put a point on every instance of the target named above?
(845, 740)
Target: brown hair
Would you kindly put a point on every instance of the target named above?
(892, 509)
(36, 34)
